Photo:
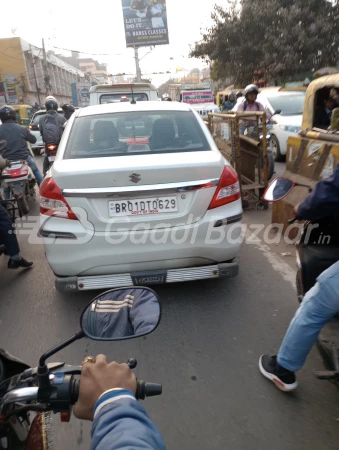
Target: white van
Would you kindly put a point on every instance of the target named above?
(115, 93)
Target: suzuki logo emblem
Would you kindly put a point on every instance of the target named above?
(135, 177)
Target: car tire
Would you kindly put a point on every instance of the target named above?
(276, 149)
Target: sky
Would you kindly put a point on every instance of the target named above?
(98, 30)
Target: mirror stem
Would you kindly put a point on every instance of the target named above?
(304, 185)
(43, 372)
(59, 347)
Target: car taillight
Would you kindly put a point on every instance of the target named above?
(33, 127)
(228, 189)
(52, 202)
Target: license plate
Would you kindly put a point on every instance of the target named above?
(51, 158)
(143, 206)
(149, 278)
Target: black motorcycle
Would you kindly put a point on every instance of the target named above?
(317, 250)
(54, 388)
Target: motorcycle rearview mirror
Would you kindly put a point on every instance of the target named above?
(121, 314)
(278, 189)
(115, 315)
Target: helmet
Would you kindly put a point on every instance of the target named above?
(51, 105)
(50, 97)
(167, 99)
(251, 88)
(7, 113)
(239, 94)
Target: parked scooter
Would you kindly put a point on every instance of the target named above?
(20, 181)
(317, 250)
(53, 387)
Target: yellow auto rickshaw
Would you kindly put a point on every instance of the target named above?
(314, 153)
(24, 114)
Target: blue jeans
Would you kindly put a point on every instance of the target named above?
(320, 304)
(32, 164)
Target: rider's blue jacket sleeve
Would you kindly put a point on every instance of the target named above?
(121, 423)
(323, 201)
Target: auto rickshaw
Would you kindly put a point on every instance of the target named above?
(314, 153)
(24, 114)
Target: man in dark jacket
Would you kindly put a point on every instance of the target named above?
(68, 111)
(7, 237)
(17, 137)
(323, 114)
(320, 303)
(52, 110)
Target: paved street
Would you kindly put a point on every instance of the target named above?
(205, 353)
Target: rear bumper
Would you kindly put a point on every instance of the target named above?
(74, 251)
(73, 284)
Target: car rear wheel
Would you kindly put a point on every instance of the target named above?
(276, 149)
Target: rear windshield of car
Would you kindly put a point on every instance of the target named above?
(37, 117)
(122, 98)
(132, 133)
(290, 105)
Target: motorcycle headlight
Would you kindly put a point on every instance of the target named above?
(289, 128)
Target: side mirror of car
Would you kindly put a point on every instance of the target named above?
(278, 189)
(121, 314)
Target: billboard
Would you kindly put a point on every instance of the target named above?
(80, 94)
(197, 97)
(11, 94)
(145, 22)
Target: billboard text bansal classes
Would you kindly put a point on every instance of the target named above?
(145, 22)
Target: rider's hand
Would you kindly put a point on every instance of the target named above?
(98, 377)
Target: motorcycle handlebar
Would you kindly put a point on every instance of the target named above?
(143, 390)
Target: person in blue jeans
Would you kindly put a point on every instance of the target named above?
(17, 137)
(320, 303)
(107, 398)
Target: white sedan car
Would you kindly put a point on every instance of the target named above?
(139, 195)
(288, 122)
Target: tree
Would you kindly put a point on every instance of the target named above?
(281, 37)
(164, 88)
